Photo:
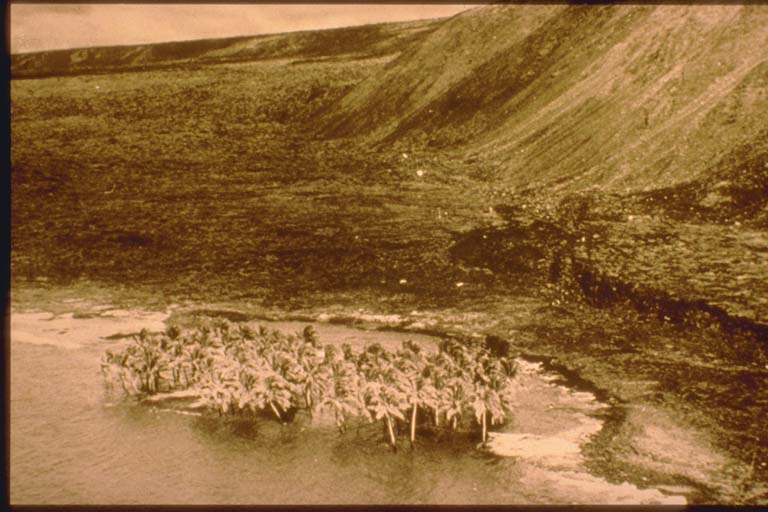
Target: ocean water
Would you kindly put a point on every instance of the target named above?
(72, 443)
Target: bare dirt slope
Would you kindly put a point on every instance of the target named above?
(618, 96)
(351, 42)
(662, 107)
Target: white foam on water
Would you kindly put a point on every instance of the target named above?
(36, 338)
(582, 488)
(178, 411)
(547, 435)
(118, 313)
(550, 449)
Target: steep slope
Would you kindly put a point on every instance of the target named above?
(433, 67)
(360, 41)
(626, 97)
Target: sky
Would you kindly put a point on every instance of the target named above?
(35, 27)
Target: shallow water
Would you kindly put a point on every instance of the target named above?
(70, 444)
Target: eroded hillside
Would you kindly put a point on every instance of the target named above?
(626, 97)
(657, 113)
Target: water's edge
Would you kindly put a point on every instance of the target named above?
(554, 457)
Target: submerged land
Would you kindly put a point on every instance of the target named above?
(589, 183)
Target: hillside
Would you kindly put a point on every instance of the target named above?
(350, 42)
(654, 112)
(624, 97)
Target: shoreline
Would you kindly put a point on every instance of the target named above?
(600, 447)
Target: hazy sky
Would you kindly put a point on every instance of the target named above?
(36, 27)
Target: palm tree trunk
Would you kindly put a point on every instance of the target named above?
(413, 424)
(274, 409)
(455, 423)
(485, 427)
(391, 432)
(437, 417)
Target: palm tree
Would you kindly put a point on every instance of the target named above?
(149, 362)
(252, 373)
(384, 404)
(454, 368)
(315, 368)
(440, 368)
(252, 394)
(309, 335)
(198, 360)
(343, 393)
(383, 391)
(278, 394)
(348, 353)
(452, 400)
(372, 359)
(415, 384)
(178, 362)
(219, 388)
